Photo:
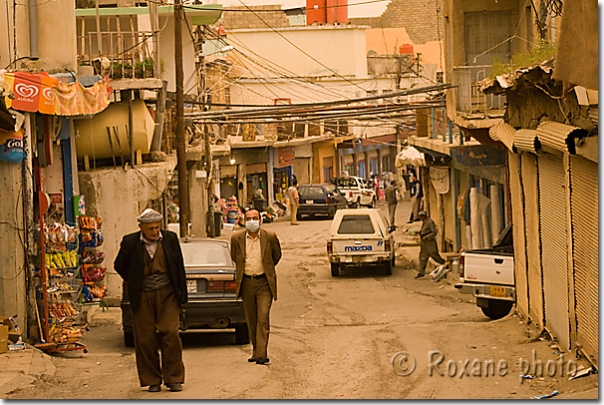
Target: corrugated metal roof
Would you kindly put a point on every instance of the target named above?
(559, 136)
(503, 133)
(525, 140)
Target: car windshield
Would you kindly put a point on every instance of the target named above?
(356, 224)
(205, 254)
(331, 189)
(311, 191)
(344, 182)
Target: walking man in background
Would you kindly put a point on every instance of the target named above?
(428, 246)
(256, 252)
(392, 200)
(294, 201)
(151, 262)
(417, 193)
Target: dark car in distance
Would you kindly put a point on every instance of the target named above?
(320, 199)
(212, 304)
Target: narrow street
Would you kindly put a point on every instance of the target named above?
(330, 338)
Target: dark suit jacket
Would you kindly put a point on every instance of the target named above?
(271, 254)
(130, 264)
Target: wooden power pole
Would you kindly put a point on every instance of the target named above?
(181, 150)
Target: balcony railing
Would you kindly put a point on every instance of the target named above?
(128, 53)
(470, 100)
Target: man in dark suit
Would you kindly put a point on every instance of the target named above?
(151, 262)
(256, 252)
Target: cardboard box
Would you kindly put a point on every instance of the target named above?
(3, 338)
(14, 332)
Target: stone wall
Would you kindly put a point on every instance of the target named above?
(260, 17)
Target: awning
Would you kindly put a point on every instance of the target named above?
(525, 140)
(40, 92)
(389, 140)
(503, 133)
(560, 137)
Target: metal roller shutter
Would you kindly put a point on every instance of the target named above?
(532, 232)
(518, 233)
(554, 250)
(584, 216)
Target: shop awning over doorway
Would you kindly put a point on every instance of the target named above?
(40, 92)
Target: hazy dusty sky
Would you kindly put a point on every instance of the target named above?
(373, 9)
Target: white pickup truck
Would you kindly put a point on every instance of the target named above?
(360, 237)
(488, 274)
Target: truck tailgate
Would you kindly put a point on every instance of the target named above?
(488, 268)
(358, 246)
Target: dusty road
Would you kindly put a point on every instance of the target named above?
(333, 338)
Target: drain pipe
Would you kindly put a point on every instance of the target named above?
(33, 29)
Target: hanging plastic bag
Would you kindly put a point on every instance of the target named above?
(11, 146)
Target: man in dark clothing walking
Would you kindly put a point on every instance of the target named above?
(151, 263)
(392, 200)
(428, 247)
(417, 193)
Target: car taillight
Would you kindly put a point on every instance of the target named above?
(327, 201)
(350, 194)
(387, 246)
(329, 247)
(230, 285)
(461, 263)
(215, 286)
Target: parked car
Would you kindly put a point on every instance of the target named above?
(320, 199)
(360, 237)
(212, 304)
(488, 274)
(358, 193)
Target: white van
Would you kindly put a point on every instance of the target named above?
(360, 237)
(356, 190)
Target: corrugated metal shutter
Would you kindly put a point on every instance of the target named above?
(532, 234)
(554, 250)
(584, 216)
(518, 232)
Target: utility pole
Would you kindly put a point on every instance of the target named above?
(202, 97)
(181, 150)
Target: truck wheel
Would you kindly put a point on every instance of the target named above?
(129, 339)
(242, 337)
(497, 309)
(388, 267)
(335, 269)
(373, 202)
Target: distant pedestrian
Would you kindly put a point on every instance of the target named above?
(294, 201)
(150, 261)
(417, 194)
(256, 252)
(428, 246)
(392, 200)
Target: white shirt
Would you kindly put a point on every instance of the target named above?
(253, 256)
(151, 246)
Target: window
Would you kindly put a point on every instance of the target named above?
(205, 254)
(488, 32)
(356, 224)
(311, 192)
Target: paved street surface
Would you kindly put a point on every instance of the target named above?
(333, 338)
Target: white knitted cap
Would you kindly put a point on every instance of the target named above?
(149, 216)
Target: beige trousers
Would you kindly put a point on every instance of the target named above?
(294, 210)
(257, 300)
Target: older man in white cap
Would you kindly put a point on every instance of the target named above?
(151, 263)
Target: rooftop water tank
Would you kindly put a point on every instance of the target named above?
(406, 49)
(315, 12)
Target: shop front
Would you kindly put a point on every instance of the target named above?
(284, 159)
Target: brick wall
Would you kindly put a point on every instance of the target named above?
(419, 17)
(271, 14)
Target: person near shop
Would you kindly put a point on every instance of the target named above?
(392, 201)
(428, 246)
(256, 252)
(294, 201)
(151, 262)
(417, 194)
